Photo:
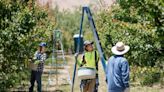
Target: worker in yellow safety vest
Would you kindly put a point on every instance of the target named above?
(89, 59)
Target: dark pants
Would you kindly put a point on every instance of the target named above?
(35, 75)
(97, 83)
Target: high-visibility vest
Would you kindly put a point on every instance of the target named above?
(91, 59)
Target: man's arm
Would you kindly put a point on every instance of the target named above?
(80, 59)
(35, 55)
(125, 73)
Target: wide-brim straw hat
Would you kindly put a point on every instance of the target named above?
(120, 48)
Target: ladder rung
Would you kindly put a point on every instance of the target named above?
(58, 67)
(55, 72)
(60, 57)
(59, 51)
(60, 60)
(59, 54)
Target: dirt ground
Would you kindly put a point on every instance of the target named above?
(103, 85)
(62, 85)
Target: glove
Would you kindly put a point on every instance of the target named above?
(76, 54)
(37, 62)
(127, 90)
(30, 60)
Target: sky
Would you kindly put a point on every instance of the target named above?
(73, 4)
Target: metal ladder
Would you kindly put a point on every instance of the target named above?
(58, 63)
(86, 10)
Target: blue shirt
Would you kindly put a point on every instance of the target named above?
(117, 72)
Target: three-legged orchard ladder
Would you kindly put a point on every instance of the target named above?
(58, 64)
(96, 37)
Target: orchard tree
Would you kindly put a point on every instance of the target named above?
(22, 26)
(139, 23)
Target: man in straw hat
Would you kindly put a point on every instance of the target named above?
(117, 70)
(90, 59)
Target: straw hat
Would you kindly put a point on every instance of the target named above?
(120, 48)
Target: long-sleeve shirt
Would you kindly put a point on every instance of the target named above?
(117, 72)
(41, 57)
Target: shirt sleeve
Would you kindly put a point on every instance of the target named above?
(79, 60)
(106, 71)
(125, 73)
(35, 55)
(43, 58)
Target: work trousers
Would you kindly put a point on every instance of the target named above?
(88, 85)
(35, 76)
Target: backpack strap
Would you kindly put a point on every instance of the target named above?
(83, 60)
(96, 61)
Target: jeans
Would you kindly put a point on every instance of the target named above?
(35, 75)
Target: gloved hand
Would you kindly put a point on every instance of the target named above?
(30, 60)
(76, 54)
(127, 90)
(36, 62)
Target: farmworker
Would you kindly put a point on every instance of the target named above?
(117, 70)
(36, 72)
(90, 60)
